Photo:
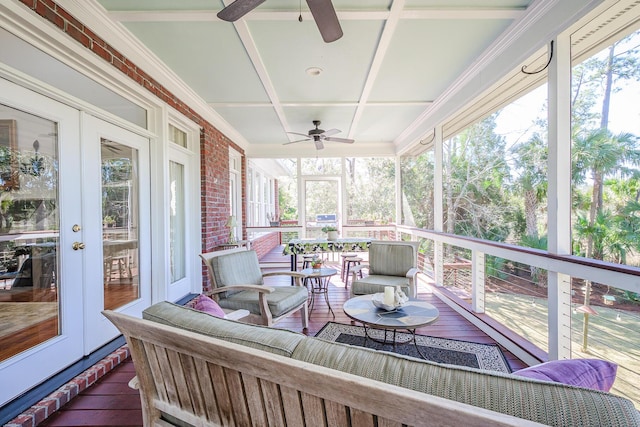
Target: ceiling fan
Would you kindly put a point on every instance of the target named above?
(322, 10)
(318, 136)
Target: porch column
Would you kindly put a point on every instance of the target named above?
(438, 249)
(559, 196)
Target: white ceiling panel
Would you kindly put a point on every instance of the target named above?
(259, 125)
(296, 46)
(217, 71)
(394, 59)
(422, 62)
(381, 123)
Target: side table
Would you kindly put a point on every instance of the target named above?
(318, 281)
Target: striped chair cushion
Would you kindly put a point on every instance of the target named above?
(238, 268)
(275, 341)
(281, 300)
(544, 402)
(373, 283)
(390, 260)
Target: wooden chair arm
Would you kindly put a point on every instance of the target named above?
(284, 273)
(412, 273)
(258, 288)
(296, 275)
(356, 268)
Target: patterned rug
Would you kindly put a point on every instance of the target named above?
(441, 350)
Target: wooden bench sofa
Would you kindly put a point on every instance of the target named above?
(195, 369)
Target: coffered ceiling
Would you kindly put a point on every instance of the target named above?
(395, 58)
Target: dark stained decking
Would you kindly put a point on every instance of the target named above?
(110, 402)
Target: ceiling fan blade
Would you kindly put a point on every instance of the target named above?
(301, 134)
(293, 142)
(238, 9)
(319, 144)
(326, 19)
(345, 140)
(331, 132)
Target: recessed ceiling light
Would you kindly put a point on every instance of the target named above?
(314, 71)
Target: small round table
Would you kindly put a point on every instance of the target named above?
(318, 279)
(414, 314)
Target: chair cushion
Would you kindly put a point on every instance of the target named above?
(373, 284)
(237, 268)
(391, 259)
(546, 402)
(282, 300)
(276, 341)
(590, 373)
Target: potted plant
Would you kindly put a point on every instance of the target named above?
(274, 219)
(332, 232)
(316, 262)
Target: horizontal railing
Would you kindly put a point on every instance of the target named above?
(515, 293)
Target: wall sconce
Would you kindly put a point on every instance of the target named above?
(231, 223)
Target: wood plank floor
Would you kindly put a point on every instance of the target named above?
(110, 402)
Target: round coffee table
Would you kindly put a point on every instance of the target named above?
(318, 279)
(414, 314)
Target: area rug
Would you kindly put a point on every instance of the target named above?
(16, 316)
(441, 350)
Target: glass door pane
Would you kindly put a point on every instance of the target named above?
(177, 232)
(29, 231)
(321, 206)
(120, 189)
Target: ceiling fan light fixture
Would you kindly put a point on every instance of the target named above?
(314, 71)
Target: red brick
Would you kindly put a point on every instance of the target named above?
(78, 35)
(31, 4)
(68, 17)
(49, 405)
(101, 52)
(48, 13)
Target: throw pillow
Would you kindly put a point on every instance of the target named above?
(207, 305)
(590, 373)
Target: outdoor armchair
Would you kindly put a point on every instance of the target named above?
(238, 283)
(391, 263)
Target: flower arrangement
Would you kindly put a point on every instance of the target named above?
(316, 262)
(328, 228)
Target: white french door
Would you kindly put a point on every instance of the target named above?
(74, 234)
(41, 300)
(116, 203)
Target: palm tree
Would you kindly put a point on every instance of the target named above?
(599, 153)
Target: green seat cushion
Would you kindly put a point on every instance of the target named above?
(237, 268)
(544, 402)
(282, 300)
(391, 259)
(275, 341)
(373, 284)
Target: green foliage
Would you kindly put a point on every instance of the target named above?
(371, 189)
(476, 176)
(495, 266)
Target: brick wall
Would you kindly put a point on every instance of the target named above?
(263, 244)
(214, 146)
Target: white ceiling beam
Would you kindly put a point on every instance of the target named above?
(320, 104)
(383, 45)
(278, 15)
(252, 50)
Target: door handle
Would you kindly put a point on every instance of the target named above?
(77, 245)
